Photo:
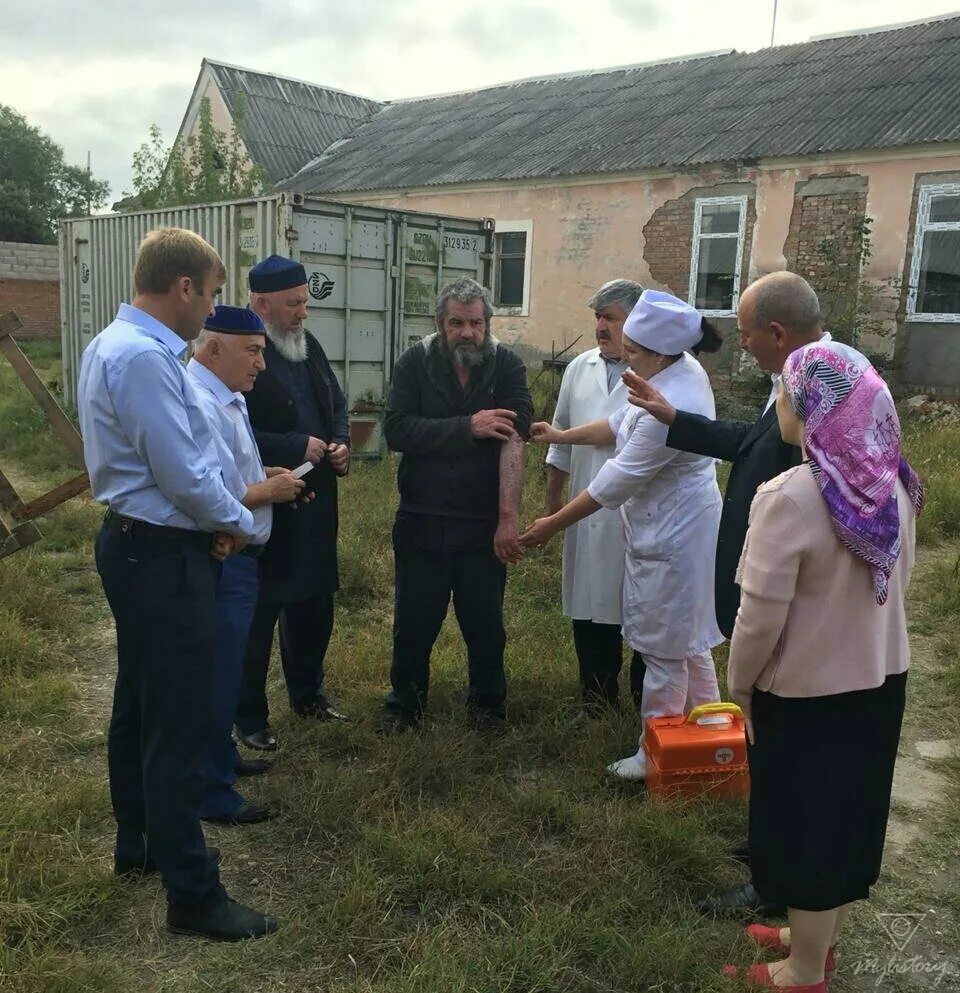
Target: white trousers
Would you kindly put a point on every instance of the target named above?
(676, 686)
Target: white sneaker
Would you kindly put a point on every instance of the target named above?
(634, 767)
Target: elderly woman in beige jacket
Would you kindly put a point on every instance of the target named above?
(819, 654)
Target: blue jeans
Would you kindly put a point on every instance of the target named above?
(236, 599)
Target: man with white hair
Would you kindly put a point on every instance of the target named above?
(299, 414)
(593, 549)
(228, 357)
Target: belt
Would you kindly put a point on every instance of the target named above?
(253, 551)
(133, 527)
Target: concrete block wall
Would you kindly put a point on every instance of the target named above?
(30, 286)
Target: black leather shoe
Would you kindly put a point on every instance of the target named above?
(741, 853)
(250, 767)
(742, 901)
(485, 719)
(396, 721)
(249, 813)
(262, 740)
(322, 710)
(224, 920)
(148, 866)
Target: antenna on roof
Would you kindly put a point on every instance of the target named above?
(773, 27)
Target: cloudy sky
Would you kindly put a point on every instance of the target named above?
(95, 76)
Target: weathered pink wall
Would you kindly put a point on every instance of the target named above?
(207, 89)
(586, 232)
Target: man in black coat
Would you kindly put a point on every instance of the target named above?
(299, 414)
(777, 314)
(458, 410)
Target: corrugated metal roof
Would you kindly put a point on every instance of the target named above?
(286, 121)
(878, 90)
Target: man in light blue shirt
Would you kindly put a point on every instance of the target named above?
(227, 358)
(152, 458)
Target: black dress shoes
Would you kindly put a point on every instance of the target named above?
(262, 740)
(742, 901)
(249, 813)
(222, 920)
(741, 853)
(393, 721)
(250, 767)
(321, 710)
(148, 866)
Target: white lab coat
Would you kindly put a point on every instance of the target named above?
(593, 548)
(670, 506)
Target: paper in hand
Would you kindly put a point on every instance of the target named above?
(302, 470)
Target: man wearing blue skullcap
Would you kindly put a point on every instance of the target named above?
(299, 414)
(228, 356)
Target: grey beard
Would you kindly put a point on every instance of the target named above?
(292, 345)
(468, 356)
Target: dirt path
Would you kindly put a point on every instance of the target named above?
(908, 936)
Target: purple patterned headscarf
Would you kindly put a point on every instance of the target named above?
(851, 434)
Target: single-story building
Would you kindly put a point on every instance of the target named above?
(838, 158)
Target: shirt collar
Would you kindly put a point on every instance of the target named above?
(212, 382)
(610, 361)
(151, 326)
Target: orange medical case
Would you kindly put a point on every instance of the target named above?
(706, 751)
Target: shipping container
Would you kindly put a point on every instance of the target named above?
(372, 278)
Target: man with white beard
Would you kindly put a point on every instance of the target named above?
(299, 414)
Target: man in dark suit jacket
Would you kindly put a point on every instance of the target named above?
(299, 414)
(777, 314)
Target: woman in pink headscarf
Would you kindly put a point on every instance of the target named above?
(819, 655)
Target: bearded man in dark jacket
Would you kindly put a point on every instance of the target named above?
(459, 410)
(299, 414)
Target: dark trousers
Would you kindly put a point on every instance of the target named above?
(161, 591)
(600, 657)
(424, 582)
(236, 601)
(305, 629)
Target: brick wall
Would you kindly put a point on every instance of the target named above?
(30, 286)
(822, 243)
(668, 245)
(669, 235)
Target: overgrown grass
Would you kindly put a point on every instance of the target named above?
(442, 860)
(934, 452)
(25, 435)
(935, 595)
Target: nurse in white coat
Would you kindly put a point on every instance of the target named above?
(670, 507)
(592, 388)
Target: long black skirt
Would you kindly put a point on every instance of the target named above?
(821, 772)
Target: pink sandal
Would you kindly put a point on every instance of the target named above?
(759, 975)
(769, 937)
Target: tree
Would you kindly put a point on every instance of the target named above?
(37, 187)
(210, 165)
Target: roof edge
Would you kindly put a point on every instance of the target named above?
(290, 79)
(568, 74)
(844, 157)
(881, 28)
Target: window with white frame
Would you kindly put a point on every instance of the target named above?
(511, 266)
(935, 270)
(718, 224)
